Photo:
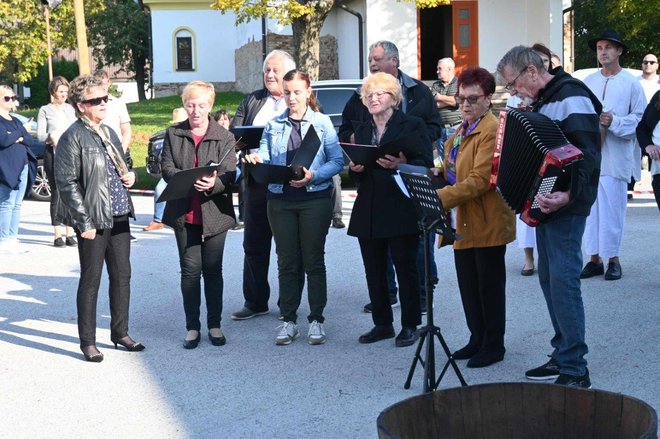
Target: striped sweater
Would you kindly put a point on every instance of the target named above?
(575, 109)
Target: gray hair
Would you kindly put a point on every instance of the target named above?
(287, 60)
(518, 58)
(388, 47)
(81, 86)
(448, 61)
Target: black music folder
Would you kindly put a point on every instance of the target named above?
(247, 137)
(367, 155)
(265, 173)
(181, 184)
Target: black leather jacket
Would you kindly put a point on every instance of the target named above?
(81, 175)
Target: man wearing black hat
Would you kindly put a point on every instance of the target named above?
(623, 105)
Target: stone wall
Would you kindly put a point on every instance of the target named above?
(248, 60)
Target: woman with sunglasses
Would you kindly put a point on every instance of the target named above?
(18, 167)
(93, 180)
(383, 218)
(484, 221)
(52, 121)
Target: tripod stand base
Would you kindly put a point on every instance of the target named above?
(428, 334)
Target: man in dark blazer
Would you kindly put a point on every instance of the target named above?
(417, 101)
(257, 109)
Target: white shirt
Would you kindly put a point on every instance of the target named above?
(116, 114)
(650, 86)
(271, 109)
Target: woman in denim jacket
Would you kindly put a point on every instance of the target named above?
(300, 212)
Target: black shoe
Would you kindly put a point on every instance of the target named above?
(192, 344)
(592, 269)
(71, 241)
(377, 333)
(59, 242)
(368, 308)
(337, 223)
(486, 356)
(130, 344)
(527, 271)
(217, 341)
(92, 353)
(547, 371)
(246, 313)
(407, 337)
(466, 352)
(613, 271)
(575, 381)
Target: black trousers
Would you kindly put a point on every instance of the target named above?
(50, 174)
(481, 276)
(199, 257)
(257, 238)
(114, 247)
(403, 250)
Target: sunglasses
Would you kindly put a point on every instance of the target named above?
(471, 99)
(649, 62)
(10, 98)
(95, 101)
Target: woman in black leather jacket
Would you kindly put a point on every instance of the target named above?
(93, 180)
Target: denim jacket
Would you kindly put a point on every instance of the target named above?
(328, 161)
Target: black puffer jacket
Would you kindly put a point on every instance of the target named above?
(81, 176)
(179, 154)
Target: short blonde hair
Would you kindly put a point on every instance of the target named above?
(195, 89)
(381, 81)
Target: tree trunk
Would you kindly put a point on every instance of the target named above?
(306, 38)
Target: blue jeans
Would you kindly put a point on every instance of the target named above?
(559, 266)
(11, 201)
(445, 133)
(159, 208)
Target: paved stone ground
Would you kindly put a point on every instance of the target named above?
(251, 388)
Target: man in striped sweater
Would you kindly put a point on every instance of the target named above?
(568, 102)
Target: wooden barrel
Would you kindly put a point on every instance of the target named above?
(518, 410)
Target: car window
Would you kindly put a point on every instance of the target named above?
(333, 100)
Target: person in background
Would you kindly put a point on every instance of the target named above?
(484, 221)
(18, 168)
(223, 118)
(648, 137)
(178, 116)
(383, 219)
(201, 220)
(257, 109)
(53, 119)
(117, 116)
(299, 212)
(444, 90)
(649, 80)
(623, 103)
(93, 179)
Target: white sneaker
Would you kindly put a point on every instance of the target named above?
(11, 246)
(288, 333)
(316, 334)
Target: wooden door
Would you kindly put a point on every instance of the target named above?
(465, 34)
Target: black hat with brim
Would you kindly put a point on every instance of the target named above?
(609, 35)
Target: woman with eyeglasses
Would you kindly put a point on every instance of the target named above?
(383, 218)
(482, 219)
(18, 167)
(52, 121)
(93, 180)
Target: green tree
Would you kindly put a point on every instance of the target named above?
(306, 18)
(637, 21)
(23, 47)
(120, 35)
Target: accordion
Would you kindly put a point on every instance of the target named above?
(532, 157)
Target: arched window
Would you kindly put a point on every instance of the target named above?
(184, 50)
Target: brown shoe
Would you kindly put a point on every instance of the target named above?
(154, 225)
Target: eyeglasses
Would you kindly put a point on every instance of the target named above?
(10, 98)
(377, 94)
(509, 86)
(460, 100)
(649, 62)
(95, 101)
